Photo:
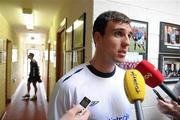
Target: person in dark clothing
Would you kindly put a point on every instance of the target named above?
(34, 77)
(172, 71)
(166, 70)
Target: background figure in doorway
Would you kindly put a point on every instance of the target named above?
(34, 77)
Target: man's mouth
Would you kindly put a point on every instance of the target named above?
(122, 53)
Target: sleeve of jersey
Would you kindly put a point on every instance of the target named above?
(60, 101)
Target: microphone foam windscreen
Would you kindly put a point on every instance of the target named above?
(152, 76)
(134, 85)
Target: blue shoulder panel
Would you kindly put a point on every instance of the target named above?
(72, 74)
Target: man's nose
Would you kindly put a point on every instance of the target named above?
(126, 40)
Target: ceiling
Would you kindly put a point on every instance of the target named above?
(44, 11)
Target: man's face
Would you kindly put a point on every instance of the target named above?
(115, 42)
(165, 66)
(29, 56)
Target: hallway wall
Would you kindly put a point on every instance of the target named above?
(13, 74)
(70, 11)
(14, 67)
(4, 34)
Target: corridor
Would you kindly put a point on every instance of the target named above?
(61, 34)
(56, 32)
(25, 109)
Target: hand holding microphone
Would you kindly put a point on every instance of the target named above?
(153, 78)
(134, 85)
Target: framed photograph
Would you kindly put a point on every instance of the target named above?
(138, 45)
(139, 41)
(2, 51)
(169, 65)
(169, 38)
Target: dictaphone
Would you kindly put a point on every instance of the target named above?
(85, 102)
(158, 95)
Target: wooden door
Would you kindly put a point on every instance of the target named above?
(60, 48)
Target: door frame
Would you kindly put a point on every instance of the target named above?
(8, 71)
(59, 55)
(48, 75)
(59, 49)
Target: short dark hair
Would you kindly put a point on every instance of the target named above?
(31, 54)
(102, 20)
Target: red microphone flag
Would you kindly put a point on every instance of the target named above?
(152, 76)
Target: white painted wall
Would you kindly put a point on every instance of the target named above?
(151, 11)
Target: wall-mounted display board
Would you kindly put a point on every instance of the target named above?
(169, 38)
(138, 45)
(169, 65)
(2, 51)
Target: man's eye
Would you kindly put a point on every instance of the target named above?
(130, 36)
(118, 34)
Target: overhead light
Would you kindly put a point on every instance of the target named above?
(28, 17)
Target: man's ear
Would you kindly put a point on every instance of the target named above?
(97, 38)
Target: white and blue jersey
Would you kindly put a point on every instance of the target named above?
(105, 90)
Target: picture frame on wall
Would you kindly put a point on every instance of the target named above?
(169, 38)
(169, 65)
(139, 40)
(138, 45)
(3, 51)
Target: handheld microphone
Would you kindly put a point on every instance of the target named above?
(134, 85)
(153, 78)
